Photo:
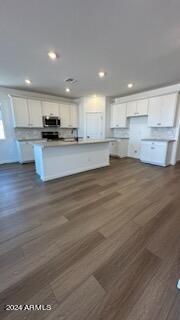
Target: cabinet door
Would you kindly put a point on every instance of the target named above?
(65, 115)
(158, 153)
(142, 107)
(154, 113)
(26, 151)
(123, 148)
(122, 120)
(168, 109)
(20, 112)
(113, 148)
(50, 109)
(145, 153)
(131, 109)
(74, 116)
(35, 113)
(114, 116)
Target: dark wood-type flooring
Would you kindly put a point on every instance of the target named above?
(101, 245)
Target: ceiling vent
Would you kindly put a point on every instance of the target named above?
(70, 80)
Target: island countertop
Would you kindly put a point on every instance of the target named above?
(49, 144)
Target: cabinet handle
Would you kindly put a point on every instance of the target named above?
(152, 147)
(159, 123)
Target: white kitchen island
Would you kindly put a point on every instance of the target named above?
(58, 158)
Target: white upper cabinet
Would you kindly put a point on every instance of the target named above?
(118, 115)
(26, 113)
(65, 115)
(35, 113)
(50, 109)
(20, 112)
(137, 108)
(162, 111)
(69, 115)
(142, 107)
(131, 109)
(74, 115)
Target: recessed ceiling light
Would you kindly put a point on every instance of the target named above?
(52, 55)
(101, 74)
(67, 90)
(130, 85)
(28, 81)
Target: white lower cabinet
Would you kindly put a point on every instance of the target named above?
(25, 151)
(156, 152)
(119, 148)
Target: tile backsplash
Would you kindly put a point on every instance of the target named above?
(25, 133)
(120, 133)
(156, 133)
(163, 133)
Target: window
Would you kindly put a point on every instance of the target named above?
(2, 134)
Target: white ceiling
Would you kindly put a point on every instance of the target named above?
(133, 40)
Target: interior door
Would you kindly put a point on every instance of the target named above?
(94, 125)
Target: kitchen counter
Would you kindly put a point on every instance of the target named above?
(158, 139)
(59, 143)
(33, 139)
(119, 138)
(55, 159)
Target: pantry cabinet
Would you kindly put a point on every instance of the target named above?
(68, 115)
(118, 115)
(137, 108)
(50, 109)
(162, 111)
(156, 152)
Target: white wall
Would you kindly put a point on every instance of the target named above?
(91, 104)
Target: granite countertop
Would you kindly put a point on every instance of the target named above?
(63, 143)
(119, 138)
(158, 139)
(32, 139)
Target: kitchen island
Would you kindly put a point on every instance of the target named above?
(57, 159)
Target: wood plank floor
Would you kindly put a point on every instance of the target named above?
(101, 245)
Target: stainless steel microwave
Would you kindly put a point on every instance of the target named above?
(51, 121)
